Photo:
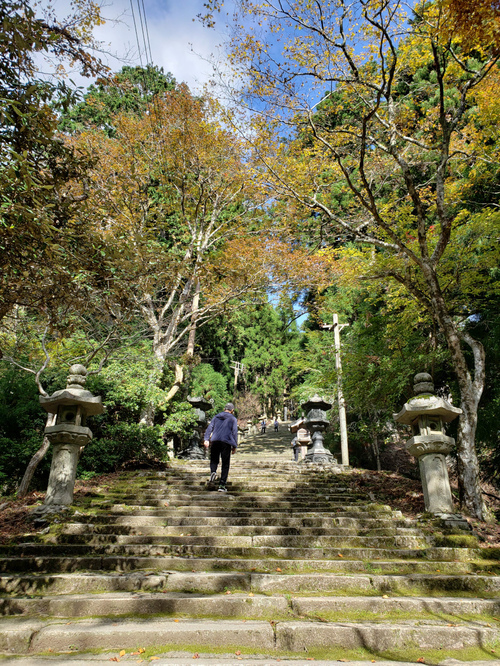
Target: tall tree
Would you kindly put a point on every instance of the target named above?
(384, 163)
(128, 91)
(172, 197)
(38, 257)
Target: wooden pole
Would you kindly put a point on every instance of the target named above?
(344, 447)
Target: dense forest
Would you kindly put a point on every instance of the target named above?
(160, 236)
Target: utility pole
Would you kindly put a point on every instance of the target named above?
(238, 368)
(340, 394)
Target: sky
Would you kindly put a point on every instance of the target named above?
(179, 42)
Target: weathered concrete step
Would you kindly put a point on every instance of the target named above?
(119, 563)
(262, 637)
(238, 605)
(247, 541)
(223, 510)
(278, 487)
(285, 521)
(215, 660)
(186, 547)
(248, 605)
(202, 582)
(212, 500)
(221, 530)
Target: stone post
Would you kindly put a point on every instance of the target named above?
(68, 436)
(316, 422)
(195, 450)
(427, 414)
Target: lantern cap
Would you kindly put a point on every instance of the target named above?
(316, 402)
(428, 406)
(74, 394)
(200, 403)
(422, 383)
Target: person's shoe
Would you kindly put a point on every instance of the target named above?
(222, 489)
(213, 476)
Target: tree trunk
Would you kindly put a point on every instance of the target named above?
(22, 491)
(179, 378)
(471, 389)
(376, 451)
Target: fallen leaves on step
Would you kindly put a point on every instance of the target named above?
(122, 653)
(228, 591)
(278, 569)
(250, 594)
(196, 655)
(340, 555)
(114, 659)
(139, 651)
(385, 596)
(154, 658)
(237, 653)
(420, 660)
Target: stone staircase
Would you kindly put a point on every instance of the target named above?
(289, 566)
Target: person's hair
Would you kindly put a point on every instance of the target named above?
(229, 407)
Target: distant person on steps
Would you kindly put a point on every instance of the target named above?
(222, 437)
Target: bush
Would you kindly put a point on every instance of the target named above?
(123, 444)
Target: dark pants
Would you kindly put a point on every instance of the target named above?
(220, 450)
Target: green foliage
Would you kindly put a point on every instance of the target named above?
(128, 91)
(22, 422)
(385, 343)
(209, 384)
(260, 336)
(122, 445)
(36, 233)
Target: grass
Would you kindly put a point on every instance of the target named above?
(408, 654)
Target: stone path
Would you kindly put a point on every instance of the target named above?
(289, 566)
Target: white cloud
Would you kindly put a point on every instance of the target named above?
(178, 41)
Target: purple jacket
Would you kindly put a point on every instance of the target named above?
(223, 428)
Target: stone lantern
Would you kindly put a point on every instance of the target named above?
(68, 436)
(427, 414)
(316, 422)
(195, 451)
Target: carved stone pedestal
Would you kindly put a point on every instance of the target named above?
(66, 441)
(431, 457)
(427, 414)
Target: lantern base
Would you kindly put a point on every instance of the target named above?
(454, 520)
(193, 451)
(319, 458)
(44, 513)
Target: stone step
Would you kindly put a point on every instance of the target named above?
(251, 503)
(261, 637)
(158, 564)
(215, 504)
(223, 511)
(202, 529)
(189, 547)
(250, 484)
(202, 582)
(134, 604)
(247, 605)
(248, 541)
(140, 518)
(209, 659)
